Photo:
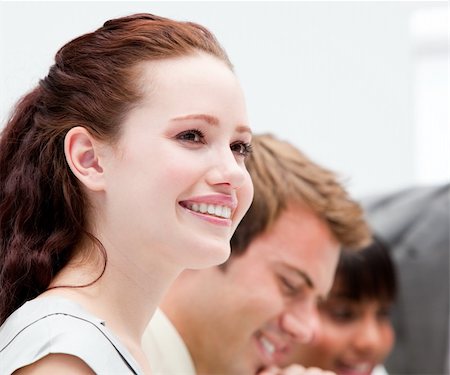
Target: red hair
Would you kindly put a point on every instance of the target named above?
(93, 84)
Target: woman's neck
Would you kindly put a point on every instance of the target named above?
(127, 293)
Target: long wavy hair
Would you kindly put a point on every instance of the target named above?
(93, 83)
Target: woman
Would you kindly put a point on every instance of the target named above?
(122, 168)
(355, 333)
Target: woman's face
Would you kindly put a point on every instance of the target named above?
(177, 185)
(353, 337)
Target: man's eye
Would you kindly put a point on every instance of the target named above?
(289, 288)
(192, 135)
(241, 148)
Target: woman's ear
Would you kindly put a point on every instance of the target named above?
(82, 155)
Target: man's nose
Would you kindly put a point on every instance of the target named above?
(301, 322)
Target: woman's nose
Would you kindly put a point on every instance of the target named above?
(227, 170)
(368, 336)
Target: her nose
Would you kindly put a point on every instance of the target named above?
(227, 170)
(368, 336)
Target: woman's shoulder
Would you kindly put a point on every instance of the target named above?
(57, 363)
(54, 325)
(44, 312)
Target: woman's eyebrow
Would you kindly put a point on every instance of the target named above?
(244, 129)
(212, 120)
(207, 118)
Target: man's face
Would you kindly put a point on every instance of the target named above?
(250, 315)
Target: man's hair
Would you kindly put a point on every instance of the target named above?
(283, 175)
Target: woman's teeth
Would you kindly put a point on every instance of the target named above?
(211, 209)
(362, 367)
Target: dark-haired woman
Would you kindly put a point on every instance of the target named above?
(124, 166)
(355, 333)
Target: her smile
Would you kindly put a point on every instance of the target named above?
(211, 209)
(211, 206)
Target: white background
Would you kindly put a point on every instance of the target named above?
(352, 84)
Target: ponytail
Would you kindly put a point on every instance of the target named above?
(40, 219)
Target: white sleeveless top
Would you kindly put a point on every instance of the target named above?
(50, 325)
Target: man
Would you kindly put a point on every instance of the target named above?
(415, 224)
(243, 316)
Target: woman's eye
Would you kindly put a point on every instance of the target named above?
(339, 311)
(192, 135)
(384, 313)
(241, 148)
(342, 314)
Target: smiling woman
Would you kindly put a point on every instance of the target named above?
(355, 333)
(124, 166)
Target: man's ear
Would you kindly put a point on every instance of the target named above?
(82, 155)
